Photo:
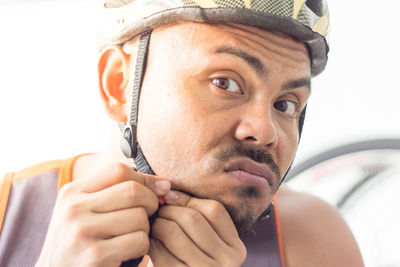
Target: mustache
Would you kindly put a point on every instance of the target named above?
(256, 155)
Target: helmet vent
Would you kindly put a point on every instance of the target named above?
(317, 6)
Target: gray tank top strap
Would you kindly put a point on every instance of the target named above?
(27, 217)
(263, 247)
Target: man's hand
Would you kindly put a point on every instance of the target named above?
(195, 232)
(102, 220)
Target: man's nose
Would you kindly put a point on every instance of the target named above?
(257, 127)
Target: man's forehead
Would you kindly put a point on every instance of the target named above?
(216, 34)
(257, 48)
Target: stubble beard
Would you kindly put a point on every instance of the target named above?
(243, 212)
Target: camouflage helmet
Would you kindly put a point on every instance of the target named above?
(306, 20)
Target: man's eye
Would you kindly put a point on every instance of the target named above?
(227, 84)
(288, 107)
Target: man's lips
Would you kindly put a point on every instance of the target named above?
(251, 172)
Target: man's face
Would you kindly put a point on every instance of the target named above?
(219, 112)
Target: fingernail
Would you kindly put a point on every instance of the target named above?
(171, 196)
(163, 185)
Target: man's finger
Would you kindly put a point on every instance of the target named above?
(196, 226)
(125, 247)
(111, 224)
(118, 173)
(212, 210)
(161, 256)
(177, 242)
(124, 195)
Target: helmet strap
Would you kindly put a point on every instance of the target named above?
(129, 145)
(301, 121)
(265, 214)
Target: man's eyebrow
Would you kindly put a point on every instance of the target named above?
(303, 82)
(254, 62)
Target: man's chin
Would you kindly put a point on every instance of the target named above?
(245, 210)
(244, 219)
(243, 205)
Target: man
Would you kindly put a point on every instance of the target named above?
(211, 113)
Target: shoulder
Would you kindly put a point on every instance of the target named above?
(34, 182)
(314, 233)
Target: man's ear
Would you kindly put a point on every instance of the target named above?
(113, 68)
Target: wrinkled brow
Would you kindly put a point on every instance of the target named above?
(293, 84)
(254, 62)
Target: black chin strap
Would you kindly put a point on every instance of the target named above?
(129, 146)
